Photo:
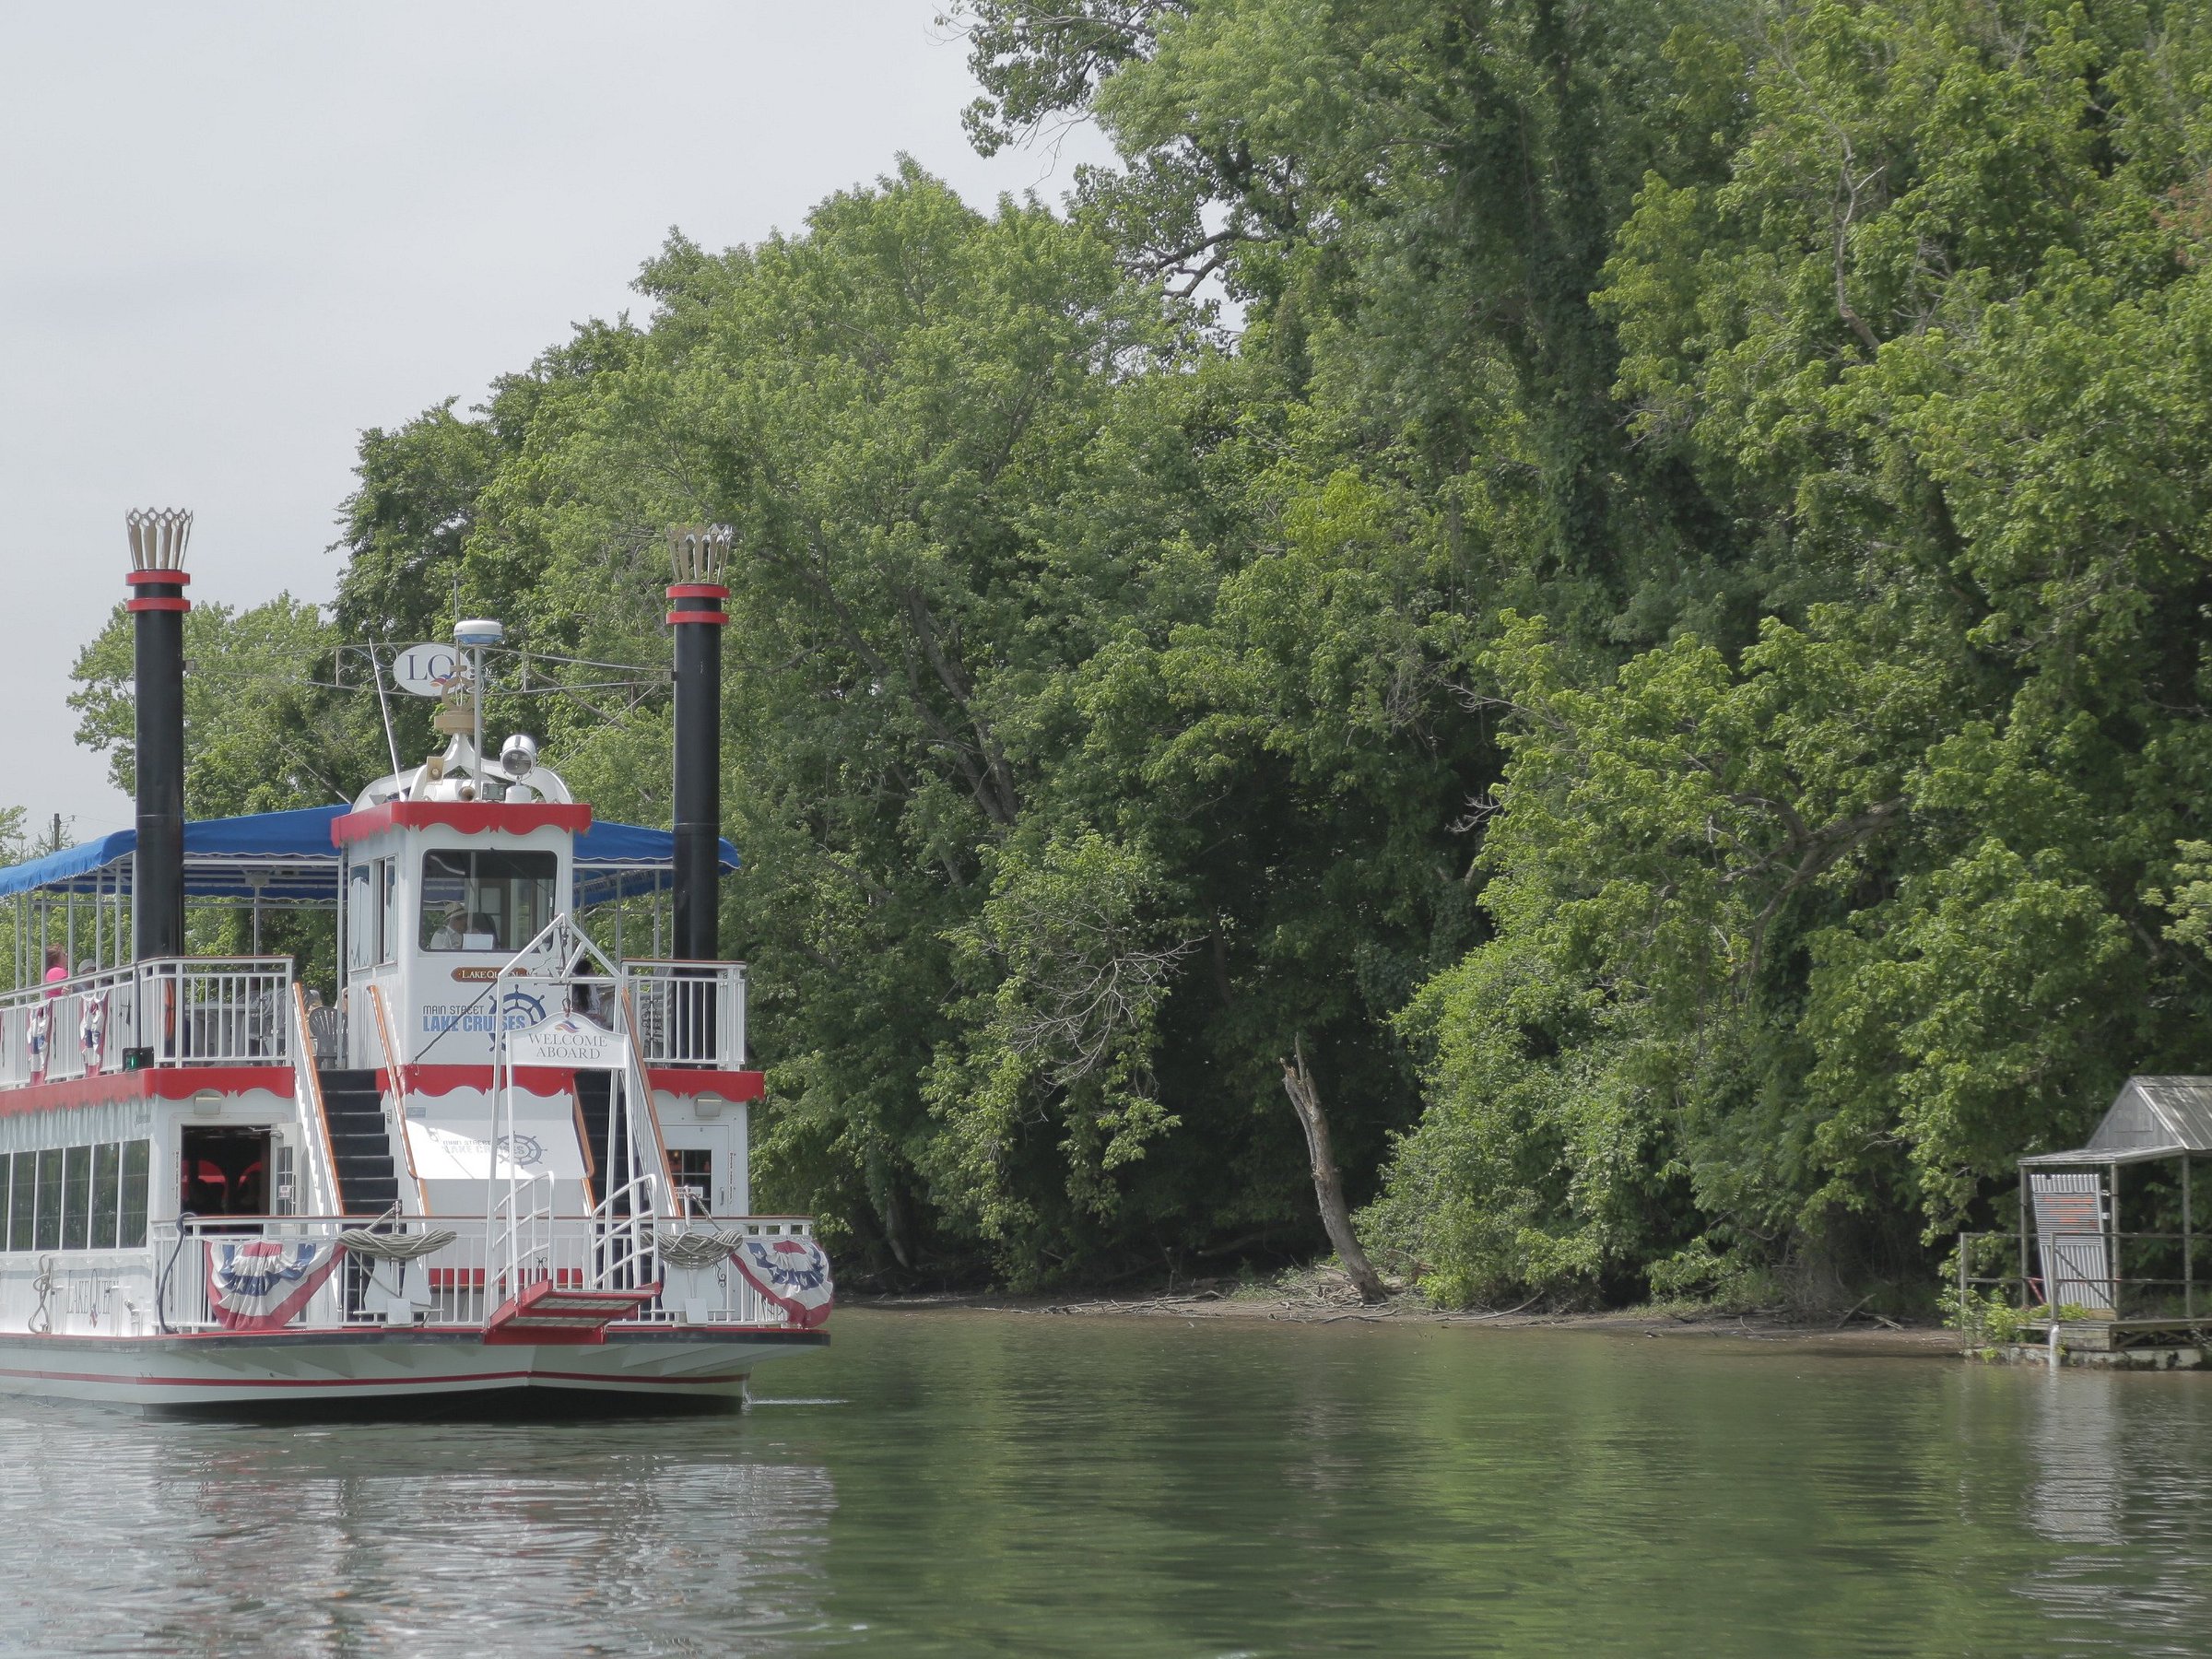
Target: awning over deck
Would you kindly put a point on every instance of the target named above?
(288, 858)
(2150, 1118)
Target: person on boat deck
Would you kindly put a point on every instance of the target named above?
(57, 969)
(451, 931)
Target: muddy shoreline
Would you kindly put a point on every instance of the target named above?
(1316, 1300)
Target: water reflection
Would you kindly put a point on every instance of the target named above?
(2121, 1479)
(197, 1539)
(2078, 1456)
(972, 1484)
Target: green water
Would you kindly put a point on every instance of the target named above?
(972, 1483)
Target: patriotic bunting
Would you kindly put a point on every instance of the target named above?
(792, 1272)
(260, 1284)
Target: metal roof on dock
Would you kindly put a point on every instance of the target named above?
(293, 855)
(2151, 1117)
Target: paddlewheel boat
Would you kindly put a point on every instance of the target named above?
(502, 1156)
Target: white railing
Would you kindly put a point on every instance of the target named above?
(521, 1227)
(717, 1293)
(73, 1028)
(459, 1282)
(178, 1011)
(623, 1244)
(316, 1167)
(215, 1011)
(689, 1013)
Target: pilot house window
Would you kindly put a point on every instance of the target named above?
(475, 901)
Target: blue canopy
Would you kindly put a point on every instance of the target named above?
(289, 857)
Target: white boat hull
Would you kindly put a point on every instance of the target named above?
(684, 1366)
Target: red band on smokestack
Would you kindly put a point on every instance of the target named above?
(718, 618)
(698, 590)
(174, 577)
(157, 604)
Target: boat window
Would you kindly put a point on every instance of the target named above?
(360, 917)
(484, 900)
(22, 1200)
(372, 918)
(691, 1172)
(46, 1233)
(387, 932)
(107, 1185)
(356, 901)
(76, 1198)
(137, 1161)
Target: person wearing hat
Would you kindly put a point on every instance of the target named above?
(452, 932)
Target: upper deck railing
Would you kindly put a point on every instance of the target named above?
(690, 1014)
(169, 1012)
(239, 1011)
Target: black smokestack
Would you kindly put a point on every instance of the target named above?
(158, 606)
(695, 612)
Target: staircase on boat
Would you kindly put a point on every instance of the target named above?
(607, 1160)
(354, 1108)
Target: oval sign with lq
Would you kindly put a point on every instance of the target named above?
(428, 670)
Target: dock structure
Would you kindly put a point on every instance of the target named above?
(2085, 1287)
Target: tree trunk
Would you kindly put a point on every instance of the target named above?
(1328, 1187)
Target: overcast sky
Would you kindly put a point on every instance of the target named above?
(233, 236)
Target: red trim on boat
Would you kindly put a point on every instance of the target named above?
(552, 1082)
(369, 1383)
(549, 1082)
(155, 1083)
(699, 590)
(471, 818)
(165, 578)
(157, 603)
(729, 1085)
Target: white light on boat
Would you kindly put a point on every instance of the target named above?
(518, 755)
(206, 1102)
(479, 632)
(708, 1105)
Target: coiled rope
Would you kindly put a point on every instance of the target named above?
(697, 1248)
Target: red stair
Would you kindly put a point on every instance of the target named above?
(547, 1312)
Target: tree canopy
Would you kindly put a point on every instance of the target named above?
(1629, 578)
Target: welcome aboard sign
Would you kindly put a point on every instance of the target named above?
(571, 1042)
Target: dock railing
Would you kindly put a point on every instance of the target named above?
(172, 1011)
(2149, 1280)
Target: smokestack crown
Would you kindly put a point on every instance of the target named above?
(700, 554)
(158, 538)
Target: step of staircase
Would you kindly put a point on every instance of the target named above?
(562, 1315)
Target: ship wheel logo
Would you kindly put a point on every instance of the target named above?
(523, 1151)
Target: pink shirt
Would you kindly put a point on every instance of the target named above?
(54, 976)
